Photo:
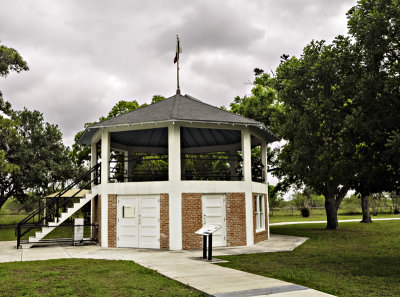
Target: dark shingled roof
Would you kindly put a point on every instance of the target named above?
(176, 108)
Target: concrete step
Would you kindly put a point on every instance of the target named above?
(52, 225)
(26, 245)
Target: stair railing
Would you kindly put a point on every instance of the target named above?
(56, 200)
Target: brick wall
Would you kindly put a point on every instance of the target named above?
(164, 221)
(235, 219)
(263, 235)
(96, 218)
(112, 220)
(191, 220)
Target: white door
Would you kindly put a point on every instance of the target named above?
(214, 213)
(149, 222)
(138, 221)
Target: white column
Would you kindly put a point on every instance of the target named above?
(264, 160)
(246, 154)
(93, 159)
(105, 158)
(174, 152)
(265, 174)
(128, 166)
(175, 195)
(233, 162)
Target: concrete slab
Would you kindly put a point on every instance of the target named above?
(305, 293)
(44, 253)
(184, 266)
(8, 252)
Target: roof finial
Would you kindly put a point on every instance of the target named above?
(176, 60)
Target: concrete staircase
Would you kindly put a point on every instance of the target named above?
(53, 225)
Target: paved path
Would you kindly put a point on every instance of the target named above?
(340, 221)
(184, 266)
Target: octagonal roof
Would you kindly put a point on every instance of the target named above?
(180, 109)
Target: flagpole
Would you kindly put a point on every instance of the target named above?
(178, 90)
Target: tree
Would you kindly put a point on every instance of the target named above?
(10, 60)
(81, 153)
(314, 92)
(375, 26)
(274, 197)
(262, 103)
(35, 158)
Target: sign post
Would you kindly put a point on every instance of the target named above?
(207, 231)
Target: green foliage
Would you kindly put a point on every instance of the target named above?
(306, 199)
(81, 153)
(313, 91)
(157, 98)
(375, 26)
(261, 105)
(10, 60)
(337, 108)
(121, 107)
(274, 197)
(32, 155)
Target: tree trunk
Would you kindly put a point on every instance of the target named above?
(331, 213)
(365, 209)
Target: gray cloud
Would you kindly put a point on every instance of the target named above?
(84, 56)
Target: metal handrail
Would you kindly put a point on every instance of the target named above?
(54, 201)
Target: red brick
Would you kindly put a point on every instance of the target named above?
(235, 219)
(164, 221)
(112, 220)
(191, 220)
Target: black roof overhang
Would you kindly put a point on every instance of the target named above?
(192, 137)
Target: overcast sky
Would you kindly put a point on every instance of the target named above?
(84, 56)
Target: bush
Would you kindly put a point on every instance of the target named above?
(305, 212)
(396, 211)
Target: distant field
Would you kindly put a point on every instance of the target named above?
(322, 217)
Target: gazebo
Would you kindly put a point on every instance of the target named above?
(171, 167)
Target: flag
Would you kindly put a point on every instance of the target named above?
(178, 50)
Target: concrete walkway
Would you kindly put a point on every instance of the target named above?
(184, 266)
(316, 222)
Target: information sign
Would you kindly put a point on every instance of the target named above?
(208, 229)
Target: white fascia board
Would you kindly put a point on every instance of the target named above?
(183, 123)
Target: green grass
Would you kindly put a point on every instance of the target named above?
(84, 277)
(357, 260)
(8, 234)
(7, 219)
(322, 217)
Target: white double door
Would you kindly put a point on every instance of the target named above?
(138, 222)
(214, 213)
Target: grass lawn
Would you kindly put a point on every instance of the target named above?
(84, 277)
(8, 234)
(357, 260)
(322, 217)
